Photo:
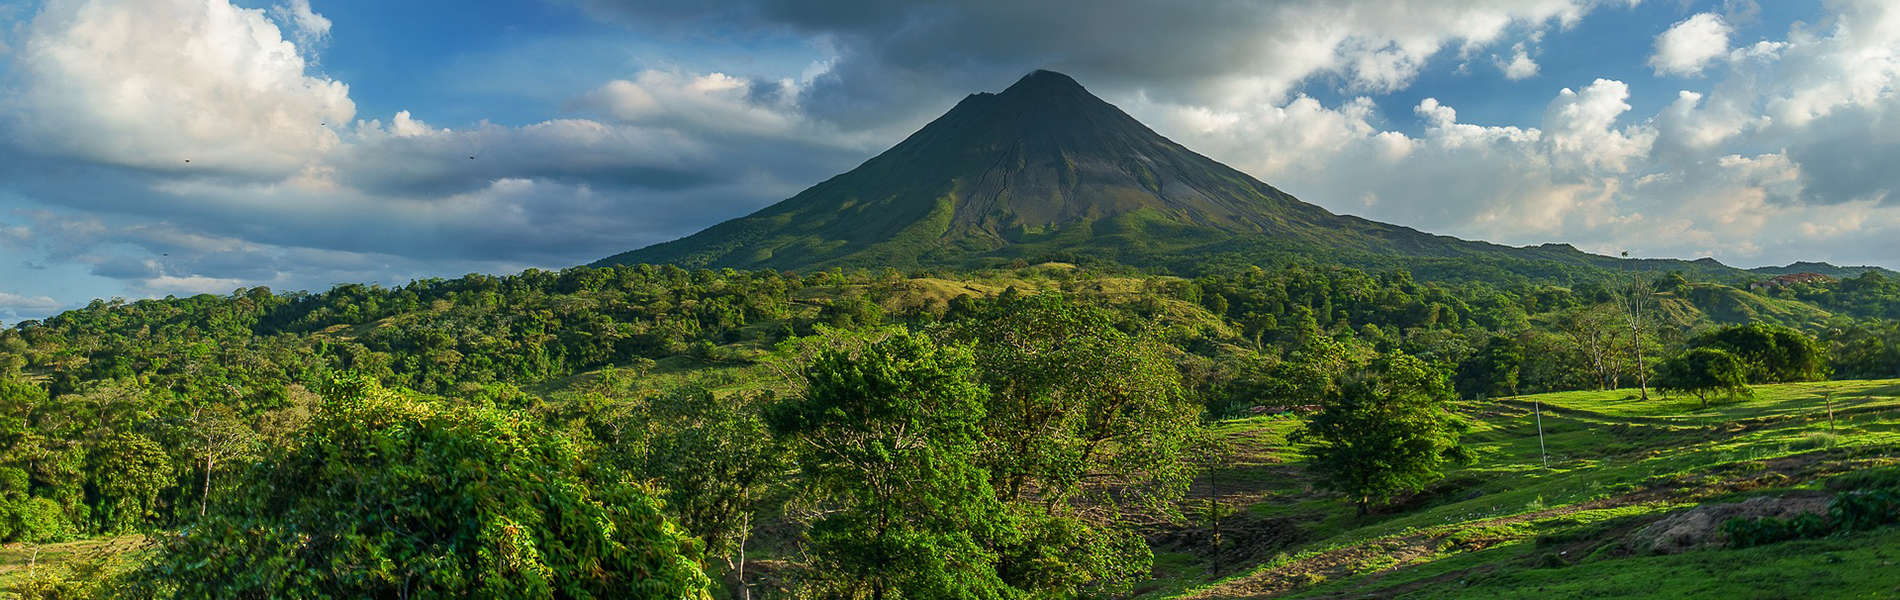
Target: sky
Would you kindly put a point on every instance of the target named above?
(175, 147)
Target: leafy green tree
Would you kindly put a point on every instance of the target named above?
(1494, 371)
(129, 471)
(1771, 353)
(1074, 400)
(1865, 350)
(1703, 372)
(887, 439)
(1383, 432)
(718, 462)
(390, 496)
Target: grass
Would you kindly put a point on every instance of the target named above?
(1506, 526)
(21, 560)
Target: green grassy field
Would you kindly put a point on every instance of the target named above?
(1505, 526)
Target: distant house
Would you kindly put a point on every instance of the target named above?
(1790, 279)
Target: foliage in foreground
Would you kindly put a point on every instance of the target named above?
(889, 434)
(388, 496)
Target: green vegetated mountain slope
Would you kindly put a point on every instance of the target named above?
(1047, 171)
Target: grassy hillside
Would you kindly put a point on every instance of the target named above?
(1505, 526)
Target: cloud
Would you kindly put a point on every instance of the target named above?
(895, 61)
(1520, 66)
(11, 303)
(286, 188)
(309, 28)
(1690, 45)
(714, 102)
(1783, 158)
(152, 84)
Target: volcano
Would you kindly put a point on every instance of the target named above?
(1046, 171)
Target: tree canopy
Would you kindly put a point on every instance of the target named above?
(384, 495)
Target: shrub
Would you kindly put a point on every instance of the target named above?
(385, 496)
(1865, 509)
(1850, 511)
(35, 520)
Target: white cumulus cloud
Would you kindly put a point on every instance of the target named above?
(1519, 66)
(153, 84)
(1690, 45)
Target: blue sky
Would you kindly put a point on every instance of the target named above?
(331, 140)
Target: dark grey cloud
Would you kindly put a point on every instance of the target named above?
(895, 57)
(1850, 156)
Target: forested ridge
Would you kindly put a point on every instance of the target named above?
(1001, 433)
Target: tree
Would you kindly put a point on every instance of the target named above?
(129, 471)
(1494, 371)
(217, 435)
(716, 458)
(1703, 372)
(887, 440)
(1632, 299)
(1384, 432)
(1073, 402)
(1866, 350)
(1771, 353)
(1594, 329)
(390, 496)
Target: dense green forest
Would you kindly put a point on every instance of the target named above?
(1022, 432)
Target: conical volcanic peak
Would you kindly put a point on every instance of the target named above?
(1047, 87)
(1046, 170)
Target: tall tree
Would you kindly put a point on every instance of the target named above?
(1636, 293)
(1383, 432)
(717, 460)
(1595, 331)
(1076, 403)
(886, 437)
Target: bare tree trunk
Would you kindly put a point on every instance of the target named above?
(1636, 341)
(205, 500)
(745, 531)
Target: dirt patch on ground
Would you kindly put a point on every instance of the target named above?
(1702, 526)
(1244, 540)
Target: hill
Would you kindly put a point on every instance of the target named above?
(1046, 171)
(1631, 505)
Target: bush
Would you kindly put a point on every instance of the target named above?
(1865, 509)
(384, 496)
(1850, 511)
(35, 520)
(1745, 532)
(1818, 439)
